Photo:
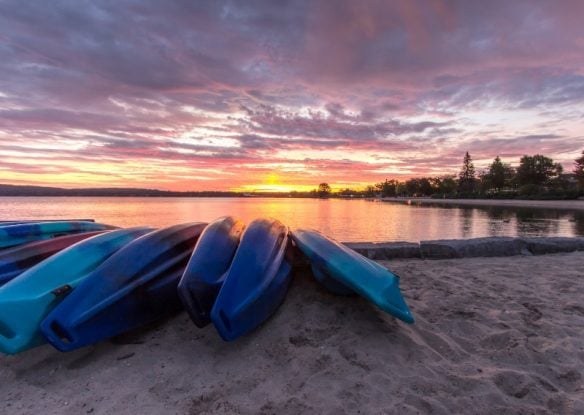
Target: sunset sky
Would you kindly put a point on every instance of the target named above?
(280, 95)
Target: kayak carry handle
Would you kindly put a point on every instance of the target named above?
(56, 334)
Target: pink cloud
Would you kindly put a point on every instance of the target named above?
(349, 85)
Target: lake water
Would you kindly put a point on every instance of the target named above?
(345, 220)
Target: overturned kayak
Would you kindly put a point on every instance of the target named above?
(19, 221)
(22, 233)
(136, 286)
(341, 269)
(15, 261)
(28, 298)
(207, 268)
(256, 282)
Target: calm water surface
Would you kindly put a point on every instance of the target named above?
(345, 220)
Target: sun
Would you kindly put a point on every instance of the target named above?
(273, 182)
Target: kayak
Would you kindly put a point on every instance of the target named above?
(28, 298)
(206, 270)
(19, 221)
(136, 286)
(256, 282)
(22, 233)
(15, 261)
(341, 269)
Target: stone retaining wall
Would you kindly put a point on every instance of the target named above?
(465, 248)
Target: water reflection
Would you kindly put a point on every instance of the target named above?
(514, 221)
(577, 222)
(347, 220)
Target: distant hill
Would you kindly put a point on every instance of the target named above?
(16, 190)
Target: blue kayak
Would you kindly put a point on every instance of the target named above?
(207, 268)
(256, 282)
(16, 260)
(28, 298)
(136, 286)
(22, 233)
(341, 269)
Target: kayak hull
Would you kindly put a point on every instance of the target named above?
(28, 298)
(207, 268)
(136, 286)
(342, 270)
(256, 282)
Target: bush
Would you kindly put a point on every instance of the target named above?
(529, 190)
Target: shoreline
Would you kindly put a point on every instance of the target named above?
(516, 203)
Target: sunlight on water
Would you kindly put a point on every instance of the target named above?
(345, 220)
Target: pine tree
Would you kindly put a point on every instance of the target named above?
(499, 174)
(467, 177)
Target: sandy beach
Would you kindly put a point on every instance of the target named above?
(539, 204)
(493, 335)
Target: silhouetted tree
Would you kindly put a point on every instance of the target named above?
(425, 187)
(370, 191)
(324, 190)
(579, 171)
(448, 185)
(466, 177)
(388, 188)
(412, 187)
(537, 170)
(499, 175)
(347, 192)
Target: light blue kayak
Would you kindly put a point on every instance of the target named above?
(341, 269)
(17, 234)
(27, 299)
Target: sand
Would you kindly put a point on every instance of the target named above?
(493, 335)
(544, 204)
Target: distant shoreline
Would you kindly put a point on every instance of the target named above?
(538, 204)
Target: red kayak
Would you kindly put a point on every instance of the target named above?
(16, 260)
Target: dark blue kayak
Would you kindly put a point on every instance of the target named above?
(135, 286)
(14, 261)
(207, 268)
(17, 234)
(341, 270)
(256, 282)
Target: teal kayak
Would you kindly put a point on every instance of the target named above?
(17, 234)
(341, 269)
(26, 300)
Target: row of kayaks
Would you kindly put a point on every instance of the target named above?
(79, 282)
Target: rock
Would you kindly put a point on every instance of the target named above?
(550, 245)
(477, 247)
(386, 250)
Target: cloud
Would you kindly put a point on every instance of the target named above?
(344, 89)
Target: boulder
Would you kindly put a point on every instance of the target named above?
(476, 247)
(386, 250)
(550, 245)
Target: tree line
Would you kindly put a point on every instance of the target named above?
(536, 177)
